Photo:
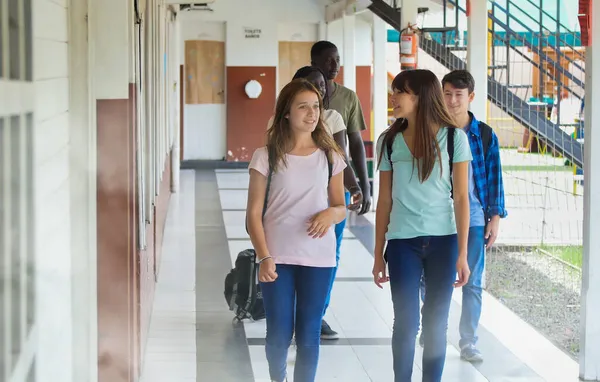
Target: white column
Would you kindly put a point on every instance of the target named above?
(349, 60)
(409, 12)
(477, 56)
(589, 356)
(83, 195)
(380, 87)
(322, 30)
(175, 154)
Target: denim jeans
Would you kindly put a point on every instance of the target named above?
(294, 303)
(339, 234)
(471, 292)
(408, 259)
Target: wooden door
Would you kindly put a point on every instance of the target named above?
(204, 72)
(292, 56)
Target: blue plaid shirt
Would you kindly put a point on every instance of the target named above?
(487, 173)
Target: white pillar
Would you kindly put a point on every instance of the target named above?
(589, 356)
(380, 86)
(322, 30)
(409, 12)
(349, 60)
(83, 195)
(477, 56)
(175, 154)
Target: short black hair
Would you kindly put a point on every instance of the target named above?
(319, 47)
(460, 79)
(306, 71)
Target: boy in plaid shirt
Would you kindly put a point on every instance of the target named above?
(486, 197)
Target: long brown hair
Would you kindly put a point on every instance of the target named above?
(432, 114)
(280, 138)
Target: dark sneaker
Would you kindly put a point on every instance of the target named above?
(470, 353)
(327, 333)
(421, 340)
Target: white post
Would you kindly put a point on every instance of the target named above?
(409, 12)
(589, 356)
(349, 60)
(380, 88)
(83, 193)
(380, 85)
(322, 30)
(175, 153)
(477, 56)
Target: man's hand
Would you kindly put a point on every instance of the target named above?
(356, 199)
(366, 202)
(491, 231)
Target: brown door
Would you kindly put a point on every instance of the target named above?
(292, 56)
(204, 72)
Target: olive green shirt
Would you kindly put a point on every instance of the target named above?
(346, 102)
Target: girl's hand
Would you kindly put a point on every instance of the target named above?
(266, 272)
(379, 272)
(320, 223)
(462, 268)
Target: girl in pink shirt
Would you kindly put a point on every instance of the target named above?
(294, 240)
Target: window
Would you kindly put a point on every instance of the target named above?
(17, 224)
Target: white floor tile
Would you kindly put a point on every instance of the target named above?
(233, 199)
(329, 370)
(355, 314)
(355, 260)
(233, 179)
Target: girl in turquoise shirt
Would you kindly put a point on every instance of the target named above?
(422, 201)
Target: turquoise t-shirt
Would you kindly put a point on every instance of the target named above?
(422, 209)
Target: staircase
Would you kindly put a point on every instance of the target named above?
(502, 95)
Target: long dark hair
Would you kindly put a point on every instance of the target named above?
(306, 71)
(432, 114)
(280, 139)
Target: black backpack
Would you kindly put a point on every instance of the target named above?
(242, 289)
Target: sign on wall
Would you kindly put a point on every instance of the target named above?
(252, 32)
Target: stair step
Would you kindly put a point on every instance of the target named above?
(519, 86)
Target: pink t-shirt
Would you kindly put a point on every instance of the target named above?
(298, 191)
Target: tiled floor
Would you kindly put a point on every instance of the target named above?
(192, 337)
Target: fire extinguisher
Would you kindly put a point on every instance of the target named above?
(409, 48)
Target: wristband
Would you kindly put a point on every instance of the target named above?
(263, 259)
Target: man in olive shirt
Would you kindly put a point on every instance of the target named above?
(325, 56)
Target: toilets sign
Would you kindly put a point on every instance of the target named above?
(252, 32)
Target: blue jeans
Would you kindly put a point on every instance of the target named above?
(408, 259)
(339, 234)
(294, 302)
(471, 292)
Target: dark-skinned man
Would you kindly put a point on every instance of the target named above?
(325, 56)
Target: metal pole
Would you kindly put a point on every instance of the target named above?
(539, 61)
(508, 43)
(559, 61)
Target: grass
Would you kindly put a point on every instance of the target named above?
(572, 254)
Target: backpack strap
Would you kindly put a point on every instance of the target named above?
(267, 192)
(485, 132)
(329, 167)
(450, 149)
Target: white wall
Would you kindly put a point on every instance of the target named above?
(52, 196)
(205, 125)
(363, 40)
